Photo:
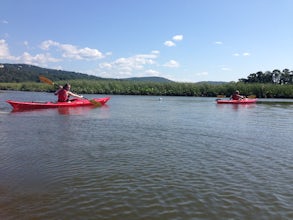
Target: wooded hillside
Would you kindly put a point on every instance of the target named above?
(30, 73)
(15, 73)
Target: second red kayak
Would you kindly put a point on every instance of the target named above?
(18, 105)
(242, 101)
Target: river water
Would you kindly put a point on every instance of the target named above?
(146, 157)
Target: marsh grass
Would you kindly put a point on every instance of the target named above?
(120, 87)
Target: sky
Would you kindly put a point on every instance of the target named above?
(181, 40)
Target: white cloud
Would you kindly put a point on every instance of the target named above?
(169, 43)
(125, 67)
(171, 64)
(155, 52)
(245, 54)
(25, 57)
(105, 65)
(37, 59)
(218, 42)
(225, 69)
(45, 45)
(178, 38)
(58, 67)
(151, 72)
(108, 54)
(4, 50)
(73, 52)
(136, 62)
(4, 22)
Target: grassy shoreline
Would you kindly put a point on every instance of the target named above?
(159, 89)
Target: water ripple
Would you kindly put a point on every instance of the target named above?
(162, 161)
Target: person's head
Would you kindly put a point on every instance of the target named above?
(237, 92)
(66, 86)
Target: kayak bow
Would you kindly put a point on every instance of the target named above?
(241, 101)
(18, 105)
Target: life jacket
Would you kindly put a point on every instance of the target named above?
(235, 97)
(62, 96)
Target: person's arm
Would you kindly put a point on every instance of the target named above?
(75, 95)
(56, 93)
(241, 97)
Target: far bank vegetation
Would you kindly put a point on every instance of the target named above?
(261, 90)
(269, 84)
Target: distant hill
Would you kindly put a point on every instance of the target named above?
(30, 73)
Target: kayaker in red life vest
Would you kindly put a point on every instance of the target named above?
(237, 96)
(64, 93)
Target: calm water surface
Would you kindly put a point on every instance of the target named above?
(145, 158)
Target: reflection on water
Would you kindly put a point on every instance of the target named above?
(144, 158)
(237, 106)
(61, 111)
(74, 111)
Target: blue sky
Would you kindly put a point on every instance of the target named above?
(182, 40)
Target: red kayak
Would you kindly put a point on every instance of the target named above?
(241, 101)
(17, 105)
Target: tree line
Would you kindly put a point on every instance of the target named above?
(275, 84)
(116, 87)
(276, 77)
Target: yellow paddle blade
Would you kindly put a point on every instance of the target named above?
(251, 96)
(46, 80)
(95, 103)
(221, 96)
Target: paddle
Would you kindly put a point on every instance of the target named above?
(251, 96)
(50, 82)
(219, 97)
(46, 80)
